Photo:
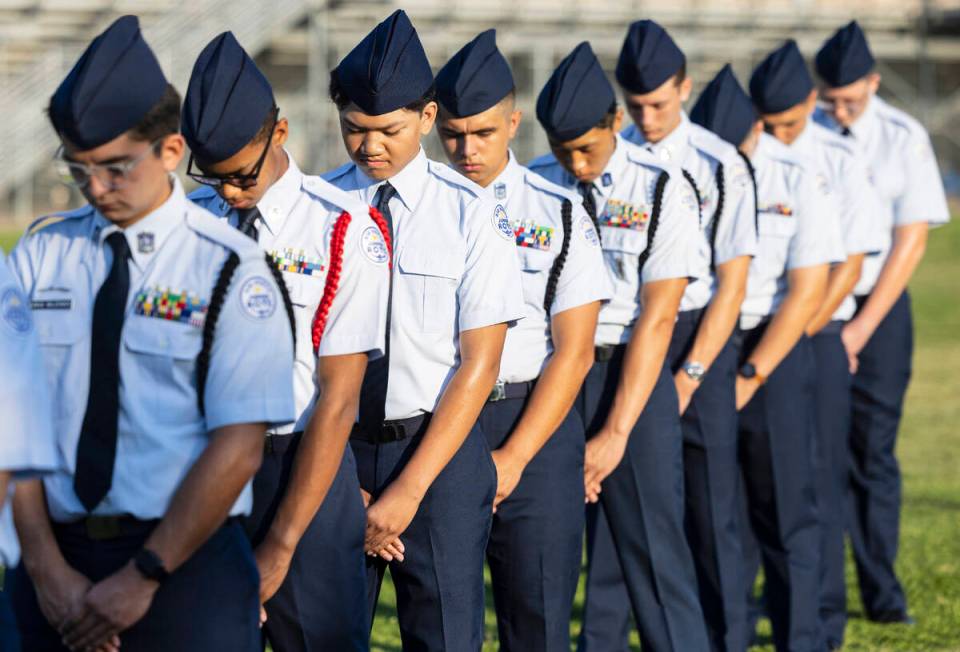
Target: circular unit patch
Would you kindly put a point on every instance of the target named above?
(373, 245)
(502, 223)
(14, 311)
(258, 298)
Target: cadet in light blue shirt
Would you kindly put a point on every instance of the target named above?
(650, 233)
(799, 239)
(454, 281)
(536, 540)
(28, 446)
(651, 71)
(168, 351)
(786, 96)
(905, 181)
(308, 518)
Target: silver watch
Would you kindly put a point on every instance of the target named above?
(694, 370)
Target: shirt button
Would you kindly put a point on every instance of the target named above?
(275, 212)
(665, 154)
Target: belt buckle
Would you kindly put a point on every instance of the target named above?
(102, 528)
(499, 392)
(394, 431)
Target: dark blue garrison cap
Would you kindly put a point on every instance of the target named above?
(227, 100)
(648, 58)
(388, 69)
(781, 81)
(845, 57)
(475, 78)
(576, 97)
(725, 108)
(113, 85)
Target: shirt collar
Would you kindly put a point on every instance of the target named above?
(673, 147)
(147, 236)
(804, 141)
(280, 198)
(505, 182)
(408, 182)
(861, 127)
(605, 182)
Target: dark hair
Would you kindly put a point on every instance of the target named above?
(161, 120)
(340, 98)
(266, 127)
(607, 121)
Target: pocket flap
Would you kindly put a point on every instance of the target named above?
(159, 337)
(426, 263)
(535, 261)
(625, 240)
(779, 226)
(58, 327)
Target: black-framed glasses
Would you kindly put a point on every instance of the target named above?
(112, 175)
(248, 180)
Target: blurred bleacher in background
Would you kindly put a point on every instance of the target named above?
(297, 42)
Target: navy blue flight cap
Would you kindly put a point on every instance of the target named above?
(576, 97)
(388, 69)
(845, 57)
(113, 85)
(475, 78)
(227, 100)
(725, 108)
(781, 81)
(648, 58)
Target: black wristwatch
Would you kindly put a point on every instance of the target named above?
(748, 371)
(149, 564)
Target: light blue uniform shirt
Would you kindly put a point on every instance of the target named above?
(903, 171)
(852, 201)
(177, 253)
(27, 445)
(298, 213)
(535, 206)
(624, 194)
(796, 227)
(701, 153)
(454, 269)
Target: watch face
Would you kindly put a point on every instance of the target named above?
(748, 370)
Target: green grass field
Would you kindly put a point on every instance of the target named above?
(929, 448)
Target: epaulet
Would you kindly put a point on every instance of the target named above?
(55, 218)
(207, 198)
(897, 117)
(712, 145)
(640, 156)
(217, 230)
(831, 139)
(337, 173)
(324, 191)
(542, 184)
(546, 160)
(202, 193)
(451, 176)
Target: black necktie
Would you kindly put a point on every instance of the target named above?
(589, 203)
(373, 391)
(846, 132)
(97, 449)
(247, 224)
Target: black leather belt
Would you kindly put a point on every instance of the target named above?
(103, 528)
(396, 430)
(279, 444)
(605, 352)
(502, 390)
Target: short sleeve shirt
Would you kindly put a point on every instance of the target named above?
(625, 194)
(534, 207)
(27, 446)
(298, 215)
(455, 269)
(718, 171)
(903, 172)
(177, 253)
(796, 229)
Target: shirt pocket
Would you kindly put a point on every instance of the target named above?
(59, 332)
(621, 251)
(164, 354)
(431, 281)
(775, 233)
(536, 266)
(305, 295)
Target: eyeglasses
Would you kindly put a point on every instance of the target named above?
(112, 175)
(236, 180)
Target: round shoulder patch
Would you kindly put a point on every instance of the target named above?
(15, 311)
(688, 198)
(373, 245)
(740, 176)
(589, 233)
(502, 223)
(258, 298)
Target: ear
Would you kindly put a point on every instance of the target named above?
(686, 87)
(618, 120)
(281, 132)
(811, 101)
(427, 117)
(515, 117)
(172, 150)
(873, 82)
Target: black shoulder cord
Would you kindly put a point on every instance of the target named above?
(696, 192)
(756, 194)
(718, 177)
(566, 215)
(213, 316)
(654, 222)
